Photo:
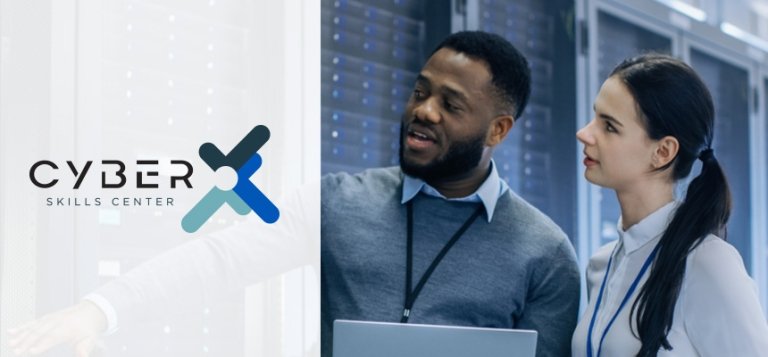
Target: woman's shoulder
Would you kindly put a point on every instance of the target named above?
(715, 262)
(719, 292)
(713, 252)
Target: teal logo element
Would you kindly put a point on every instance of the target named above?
(245, 196)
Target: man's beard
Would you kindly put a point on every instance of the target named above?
(461, 158)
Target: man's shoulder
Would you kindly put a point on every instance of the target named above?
(520, 216)
(537, 240)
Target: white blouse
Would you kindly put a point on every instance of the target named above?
(717, 312)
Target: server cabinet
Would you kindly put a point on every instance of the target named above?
(761, 256)
(162, 70)
(371, 54)
(731, 90)
(537, 157)
(734, 71)
(631, 28)
(619, 38)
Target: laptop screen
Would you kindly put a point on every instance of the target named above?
(383, 339)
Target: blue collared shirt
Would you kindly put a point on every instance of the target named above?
(488, 193)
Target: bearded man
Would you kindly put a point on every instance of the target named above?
(441, 239)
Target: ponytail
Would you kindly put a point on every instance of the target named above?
(705, 210)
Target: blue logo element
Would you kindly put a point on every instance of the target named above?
(244, 197)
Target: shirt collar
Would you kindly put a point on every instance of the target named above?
(488, 193)
(648, 229)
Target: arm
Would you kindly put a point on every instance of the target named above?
(721, 309)
(553, 302)
(208, 269)
(201, 270)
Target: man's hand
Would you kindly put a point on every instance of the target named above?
(79, 325)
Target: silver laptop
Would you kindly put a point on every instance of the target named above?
(384, 339)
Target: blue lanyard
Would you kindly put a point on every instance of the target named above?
(621, 306)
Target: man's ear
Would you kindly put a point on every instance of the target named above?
(666, 151)
(500, 127)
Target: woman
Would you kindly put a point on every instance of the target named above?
(669, 286)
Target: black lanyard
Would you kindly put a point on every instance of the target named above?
(411, 295)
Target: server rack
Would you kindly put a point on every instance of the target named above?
(367, 80)
(364, 94)
(760, 256)
(619, 38)
(536, 157)
(729, 84)
(371, 54)
(729, 68)
(163, 66)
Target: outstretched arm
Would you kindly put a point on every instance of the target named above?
(201, 270)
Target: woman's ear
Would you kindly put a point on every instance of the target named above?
(666, 151)
(500, 127)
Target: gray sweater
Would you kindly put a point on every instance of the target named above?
(518, 271)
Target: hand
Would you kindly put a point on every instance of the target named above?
(79, 325)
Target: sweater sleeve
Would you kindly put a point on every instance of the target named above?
(722, 312)
(216, 266)
(552, 305)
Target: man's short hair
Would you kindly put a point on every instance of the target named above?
(509, 68)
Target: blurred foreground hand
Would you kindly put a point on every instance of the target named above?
(79, 325)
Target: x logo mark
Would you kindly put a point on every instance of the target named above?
(244, 197)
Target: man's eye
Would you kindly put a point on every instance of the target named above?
(450, 107)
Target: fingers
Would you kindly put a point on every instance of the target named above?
(48, 339)
(79, 325)
(17, 329)
(29, 339)
(20, 334)
(84, 347)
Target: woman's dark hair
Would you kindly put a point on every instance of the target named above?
(673, 101)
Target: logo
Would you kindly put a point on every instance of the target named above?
(244, 196)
